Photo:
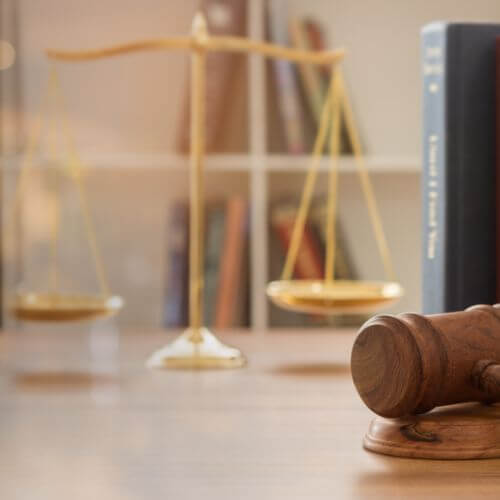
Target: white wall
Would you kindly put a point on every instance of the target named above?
(127, 104)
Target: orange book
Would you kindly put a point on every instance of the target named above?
(231, 266)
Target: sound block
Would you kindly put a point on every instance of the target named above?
(456, 432)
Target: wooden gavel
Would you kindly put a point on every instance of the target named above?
(409, 364)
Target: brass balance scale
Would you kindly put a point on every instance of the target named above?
(330, 296)
(197, 347)
(54, 305)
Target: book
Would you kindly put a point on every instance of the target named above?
(224, 83)
(176, 292)
(310, 260)
(311, 77)
(276, 136)
(279, 317)
(316, 41)
(309, 263)
(458, 190)
(215, 226)
(344, 268)
(231, 292)
(307, 34)
(286, 82)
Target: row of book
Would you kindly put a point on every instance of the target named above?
(226, 99)
(296, 92)
(461, 160)
(310, 263)
(225, 301)
(226, 262)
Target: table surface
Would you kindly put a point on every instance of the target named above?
(82, 418)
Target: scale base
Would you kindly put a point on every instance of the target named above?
(206, 353)
(457, 432)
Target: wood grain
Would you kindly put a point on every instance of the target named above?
(100, 425)
(456, 432)
(410, 364)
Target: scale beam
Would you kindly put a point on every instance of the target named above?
(208, 43)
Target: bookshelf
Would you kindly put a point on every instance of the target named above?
(384, 84)
(262, 164)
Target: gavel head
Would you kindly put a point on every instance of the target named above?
(408, 364)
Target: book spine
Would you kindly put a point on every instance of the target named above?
(343, 268)
(288, 93)
(216, 222)
(231, 271)
(459, 175)
(175, 310)
(224, 17)
(316, 41)
(434, 172)
(309, 264)
(312, 82)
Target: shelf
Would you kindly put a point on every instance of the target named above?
(228, 162)
(243, 162)
(240, 162)
(223, 162)
(376, 164)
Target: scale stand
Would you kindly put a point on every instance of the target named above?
(207, 351)
(197, 347)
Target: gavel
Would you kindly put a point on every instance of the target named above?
(409, 364)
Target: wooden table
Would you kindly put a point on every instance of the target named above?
(81, 420)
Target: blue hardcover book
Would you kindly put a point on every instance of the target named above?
(458, 182)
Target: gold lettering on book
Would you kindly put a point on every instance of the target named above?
(435, 69)
(433, 52)
(432, 198)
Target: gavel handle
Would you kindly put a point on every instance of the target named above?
(486, 378)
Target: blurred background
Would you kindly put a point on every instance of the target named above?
(129, 116)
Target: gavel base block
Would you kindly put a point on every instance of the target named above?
(456, 432)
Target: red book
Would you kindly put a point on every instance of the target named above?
(309, 263)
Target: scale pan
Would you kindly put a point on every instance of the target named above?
(337, 297)
(61, 307)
